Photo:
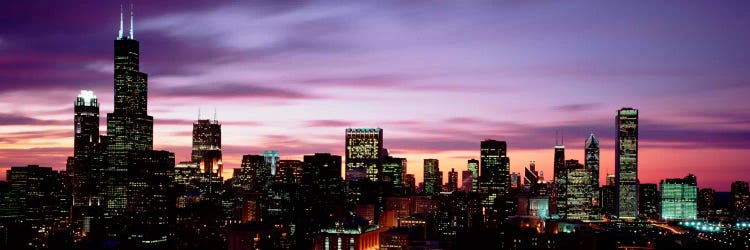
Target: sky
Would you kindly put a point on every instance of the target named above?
(437, 76)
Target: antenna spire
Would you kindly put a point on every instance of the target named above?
(119, 34)
(199, 113)
(562, 137)
(557, 137)
(131, 22)
(214, 113)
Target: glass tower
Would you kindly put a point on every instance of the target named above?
(679, 198)
(626, 163)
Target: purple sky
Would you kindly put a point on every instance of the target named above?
(438, 77)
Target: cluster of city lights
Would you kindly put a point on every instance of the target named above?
(743, 225)
(698, 225)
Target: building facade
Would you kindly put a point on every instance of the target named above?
(679, 198)
(626, 162)
(364, 153)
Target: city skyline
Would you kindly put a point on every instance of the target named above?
(299, 113)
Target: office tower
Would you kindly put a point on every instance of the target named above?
(473, 166)
(364, 153)
(591, 152)
(592, 157)
(452, 181)
(579, 192)
(272, 160)
(467, 181)
(207, 145)
(515, 180)
(740, 206)
(439, 187)
(254, 173)
(410, 184)
(610, 180)
(431, 179)
(129, 127)
(679, 198)
(321, 177)
(39, 194)
(649, 201)
(151, 197)
(531, 178)
(289, 172)
(322, 171)
(609, 199)
(559, 183)
(626, 163)
(85, 139)
(494, 168)
(706, 203)
(393, 171)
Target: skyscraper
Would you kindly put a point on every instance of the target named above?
(531, 178)
(559, 184)
(494, 179)
(85, 139)
(467, 181)
(452, 181)
(254, 173)
(649, 201)
(740, 206)
(431, 179)
(706, 203)
(473, 166)
(592, 158)
(207, 145)
(272, 160)
(129, 127)
(679, 198)
(364, 153)
(626, 163)
(393, 171)
(579, 192)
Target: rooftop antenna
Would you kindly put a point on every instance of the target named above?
(199, 113)
(131, 22)
(119, 34)
(214, 113)
(557, 136)
(562, 136)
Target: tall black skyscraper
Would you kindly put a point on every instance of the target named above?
(85, 139)
(626, 162)
(129, 127)
(494, 179)
(559, 188)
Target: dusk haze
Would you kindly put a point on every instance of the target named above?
(416, 124)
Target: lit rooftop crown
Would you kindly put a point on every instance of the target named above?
(88, 97)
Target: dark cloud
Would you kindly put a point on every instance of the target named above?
(15, 119)
(328, 123)
(231, 90)
(578, 107)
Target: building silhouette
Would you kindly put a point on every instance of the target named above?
(649, 201)
(740, 207)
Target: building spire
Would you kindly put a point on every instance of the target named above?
(131, 22)
(199, 113)
(214, 113)
(119, 34)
